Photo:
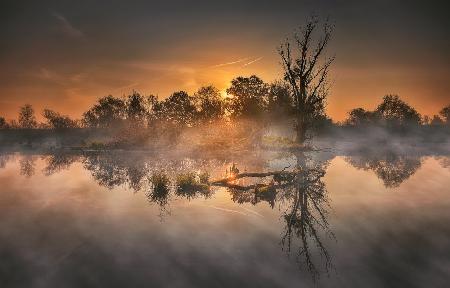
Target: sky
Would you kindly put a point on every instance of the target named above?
(64, 55)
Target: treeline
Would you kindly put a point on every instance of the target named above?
(394, 112)
(247, 98)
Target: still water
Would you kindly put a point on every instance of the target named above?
(96, 220)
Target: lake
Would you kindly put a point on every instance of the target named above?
(121, 220)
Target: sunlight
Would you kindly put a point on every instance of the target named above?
(228, 148)
(224, 94)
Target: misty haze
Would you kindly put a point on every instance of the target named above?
(224, 144)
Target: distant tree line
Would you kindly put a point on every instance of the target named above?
(394, 112)
(247, 98)
(300, 97)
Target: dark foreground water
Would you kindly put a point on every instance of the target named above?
(96, 220)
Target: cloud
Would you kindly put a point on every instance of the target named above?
(66, 27)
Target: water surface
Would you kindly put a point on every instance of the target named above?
(94, 220)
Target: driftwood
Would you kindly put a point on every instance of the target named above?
(281, 179)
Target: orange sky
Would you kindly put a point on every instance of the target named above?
(65, 56)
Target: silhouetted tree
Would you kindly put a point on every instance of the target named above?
(136, 107)
(426, 120)
(58, 121)
(359, 117)
(13, 124)
(279, 101)
(3, 123)
(307, 73)
(436, 121)
(394, 111)
(107, 112)
(179, 109)
(248, 97)
(27, 119)
(209, 103)
(445, 113)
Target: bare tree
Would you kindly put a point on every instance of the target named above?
(306, 70)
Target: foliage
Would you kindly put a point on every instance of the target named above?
(209, 104)
(3, 123)
(248, 97)
(160, 187)
(188, 185)
(136, 110)
(58, 121)
(279, 100)
(204, 177)
(361, 117)
(178, 109)
(445, 113)
(27, 119)
(394, 111)
(106, 113)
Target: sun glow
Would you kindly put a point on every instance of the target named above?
(224, 94)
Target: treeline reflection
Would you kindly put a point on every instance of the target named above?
(392, 169)
(135, 170)
(298, 190)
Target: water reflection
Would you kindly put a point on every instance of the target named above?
(297, 188)
(27, 165)
(393, 169)
(444, 161)
(115, 170)
(306, 217)
(58, 162)
(4, 158)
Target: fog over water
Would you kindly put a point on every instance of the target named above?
(345, 219)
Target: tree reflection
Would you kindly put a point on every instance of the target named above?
(392, 168)
(254, 196)
(300, 191)
(27, 165)
(4, 158)
(305, 196)
(159, 191)
(444, 161)
(58, 162)
(306, 217)
(116, 170)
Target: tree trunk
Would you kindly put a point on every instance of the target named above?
(301, 130)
